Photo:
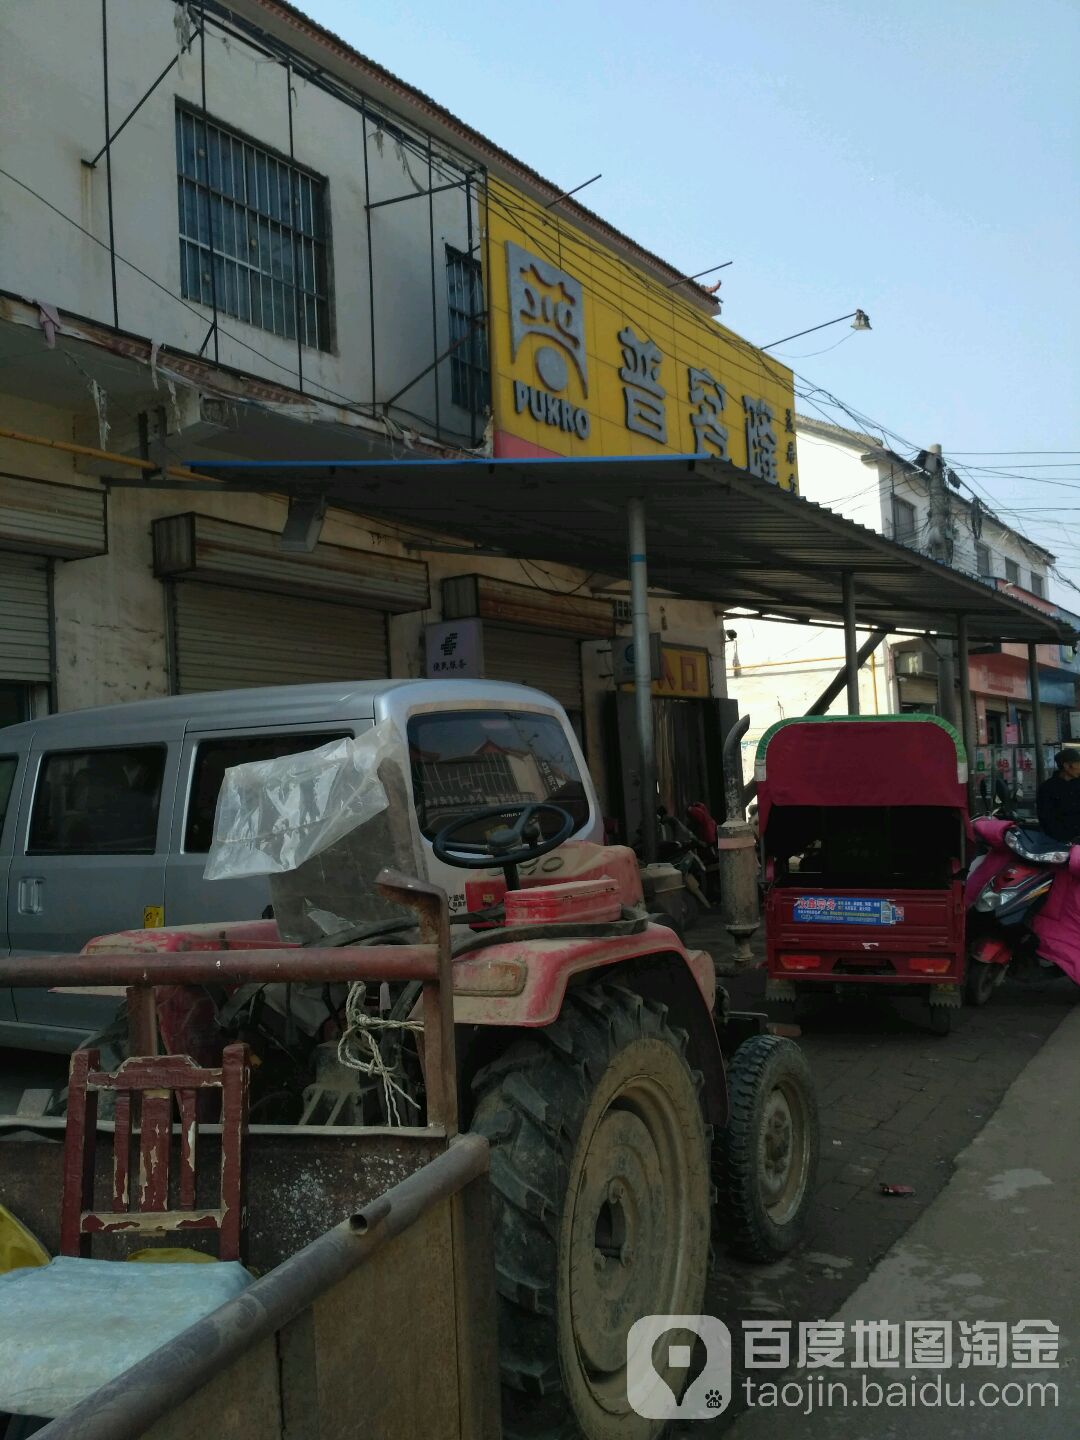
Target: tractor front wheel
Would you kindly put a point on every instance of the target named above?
(767, 1156)
(601, 1199)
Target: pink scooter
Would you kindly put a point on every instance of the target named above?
(1023, 904)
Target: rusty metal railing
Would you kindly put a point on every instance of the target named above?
(428, 961)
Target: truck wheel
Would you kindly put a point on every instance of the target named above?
(767, 1156)
(601, 1200)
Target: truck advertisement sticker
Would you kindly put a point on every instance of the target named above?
(847, 910)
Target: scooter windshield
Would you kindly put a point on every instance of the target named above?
(1039, 848)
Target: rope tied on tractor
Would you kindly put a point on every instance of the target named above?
(359, 1049)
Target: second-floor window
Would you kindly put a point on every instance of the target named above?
(1012, 572)
(903, 520)
(982, 560)
(1038, 584)
(252, 233)
(469, 380)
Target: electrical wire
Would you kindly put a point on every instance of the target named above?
(808, 353)
(1016, 452)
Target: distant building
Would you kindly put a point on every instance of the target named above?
(777, 671)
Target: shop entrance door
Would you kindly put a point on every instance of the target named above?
(682, 767)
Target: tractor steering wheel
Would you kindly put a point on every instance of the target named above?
(510, 844)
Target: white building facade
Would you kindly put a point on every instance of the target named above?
(277, 256)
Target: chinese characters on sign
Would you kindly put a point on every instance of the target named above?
(789, 453)
(548, 302)
(846, 910)
(454, 649)
(760, 440)
(911, 1344)
(709, 396)
(642, 390)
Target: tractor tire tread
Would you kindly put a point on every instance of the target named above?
(529, 1104)
(742, 1226)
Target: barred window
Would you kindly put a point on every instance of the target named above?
(265, 220)
(903, 520)
(469, 379)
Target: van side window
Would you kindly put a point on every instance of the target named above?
(8, 766)
(214, 757)
(98, 802)
(472, 759)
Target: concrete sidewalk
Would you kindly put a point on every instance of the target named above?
(1000, 1243)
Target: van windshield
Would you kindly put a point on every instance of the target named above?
(463, 761)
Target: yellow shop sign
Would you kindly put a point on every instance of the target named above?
(590, 356)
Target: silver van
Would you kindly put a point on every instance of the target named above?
(106, 815)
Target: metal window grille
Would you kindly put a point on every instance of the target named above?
(470, 381)
(1038, 584)
(1012, 572)
(982, 560)
(266, 220)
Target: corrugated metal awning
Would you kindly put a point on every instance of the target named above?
(715, 533)
(224, 553)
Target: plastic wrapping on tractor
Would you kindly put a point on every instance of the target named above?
(273, 815)
(321, 825)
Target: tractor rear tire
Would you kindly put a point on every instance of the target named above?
(766, 1158)
(602, 1201)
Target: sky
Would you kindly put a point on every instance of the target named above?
(919, 160)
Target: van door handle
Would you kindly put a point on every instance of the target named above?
(30, 891)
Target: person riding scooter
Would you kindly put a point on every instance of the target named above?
(1058, 800)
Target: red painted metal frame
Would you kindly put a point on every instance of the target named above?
(145, 1208)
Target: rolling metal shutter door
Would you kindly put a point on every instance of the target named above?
(527, 657)
(25, 642)
(224, 639)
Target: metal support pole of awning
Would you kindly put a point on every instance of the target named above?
(851, 643)
(639, 605)
(1036, 713)
(967, 710)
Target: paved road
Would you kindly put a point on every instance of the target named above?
(997, 1247)
(898, 1105)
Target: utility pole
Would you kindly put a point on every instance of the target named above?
(939, 535)
(939, 547)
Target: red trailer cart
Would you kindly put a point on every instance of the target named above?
(864, 826)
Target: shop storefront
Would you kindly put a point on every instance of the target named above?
(524, 635)
(40, 523)
(244, 612)
(592, 356)
(689, 725)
